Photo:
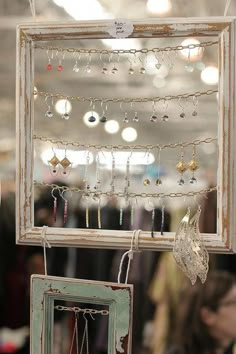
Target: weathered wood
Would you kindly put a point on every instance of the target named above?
(221, 27)
(45, 290)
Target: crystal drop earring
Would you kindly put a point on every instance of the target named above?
(142, 69)
(181, 167)
(88, 65)
(104, 64)
(127, 175)
(135, 118)
(189, 67)
(76, 57)
(153, 117)
(48, 113)
(65, 164)
(114, 70)
(158, 61)
(193, 165)
(49, 65)
(66, 115)
(195, 104)
(131, 70)
(165, 116)
(125, 119)
(162, 218)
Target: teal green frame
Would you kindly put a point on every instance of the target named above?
(46, 289)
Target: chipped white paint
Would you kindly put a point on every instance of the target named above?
(222, 28)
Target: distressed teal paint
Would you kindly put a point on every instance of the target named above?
(45, 290)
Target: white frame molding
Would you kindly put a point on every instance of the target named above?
(221, 27)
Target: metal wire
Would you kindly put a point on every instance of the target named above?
(125, 100)
(125, 51)
(78, 309)
(121, 194)
(124, 147)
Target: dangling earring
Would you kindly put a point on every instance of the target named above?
(131, 70)
(113, 166)
(153, 117)
(193, 165)
(158, 180)
(48, 113)
(53, 164)
(65, 212)
(181, 247)
(49, 65)
(165, 116)
(195, 104)
(76, 56)
(115, 69)
(103, 118)
(200, 255)
(60, 56)
(65, 163)
(189, 67)
(66, 114)
(88, 65)
(181, 167)
(54, 205)
(104, 65)
(146, 181)
(142, 70)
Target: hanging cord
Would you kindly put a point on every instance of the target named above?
(44, 244)
(227, 7)
(133, 248)
(32, 8)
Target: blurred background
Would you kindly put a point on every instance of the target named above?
(155, 275)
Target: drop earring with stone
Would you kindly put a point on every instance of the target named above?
(104, 64)
(114, 70)
(135, 117)
(158, 181)
(53, 164)
(181, 167)
(193, 166)
(60, 56)
(103, 118)
(131, 69)
(153, 117)
(49, 65)
(142, 69)
(189, 66)
(195, 104)
(88, 65)
(182, 106)
(65, 164)
(66, 115)
(146, 180)
(92, 118)
(165, 116)
(48, 113)
(76, 57)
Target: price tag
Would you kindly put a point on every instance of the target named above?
(120, 29)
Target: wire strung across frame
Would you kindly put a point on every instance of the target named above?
(126, 51)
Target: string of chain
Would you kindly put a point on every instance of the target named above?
(64, 189)
(124, 147)
(125, 100)
(78, 309)
(125, 51)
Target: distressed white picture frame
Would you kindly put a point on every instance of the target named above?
(45, 290)
(224, 29)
